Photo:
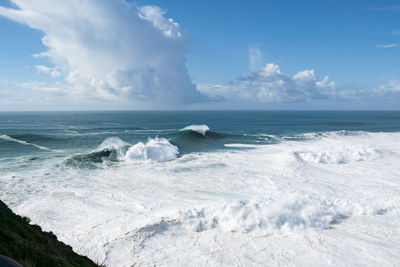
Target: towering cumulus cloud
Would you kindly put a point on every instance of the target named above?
(110, 49)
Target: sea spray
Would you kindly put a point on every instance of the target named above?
(156, 150)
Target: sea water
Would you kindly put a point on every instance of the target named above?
(209, 188)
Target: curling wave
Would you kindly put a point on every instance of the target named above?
(114, 149)
(201, 129)
(198, 138)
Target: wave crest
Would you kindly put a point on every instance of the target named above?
(201, 129)
(157, 149)
(114, 144)
(115, 149)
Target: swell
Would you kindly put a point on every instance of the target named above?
(158, 149)
(199, 138)
(189, 140)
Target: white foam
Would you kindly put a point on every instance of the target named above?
(241, 145)
(274, 216)
(202, 129)
(22, 142)
(339, 155)
(154, 150)
(267, 216)
(157, 149)
(71, 132)
(247, 207)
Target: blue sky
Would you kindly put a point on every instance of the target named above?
(202, 58)
(338, 38)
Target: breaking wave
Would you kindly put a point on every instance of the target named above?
(196, 138)
(158, 150)
(201, 129)
(114, 149)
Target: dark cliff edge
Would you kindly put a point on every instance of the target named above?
(30, 246)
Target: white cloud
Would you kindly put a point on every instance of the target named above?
(111, 53)
(269, 85)
(108, 49)
(387, 45)
(53, 72)
(255, 58)
(392, 87)
(155, 15)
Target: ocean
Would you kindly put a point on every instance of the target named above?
(209, 188)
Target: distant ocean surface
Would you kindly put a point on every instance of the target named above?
(209, 188)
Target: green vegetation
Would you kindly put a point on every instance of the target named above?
(30, 246)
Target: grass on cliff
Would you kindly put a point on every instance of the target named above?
(30, 246)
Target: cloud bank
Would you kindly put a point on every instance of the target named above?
(111, 50)
(112, 55)
(391, 88)
(270, 85)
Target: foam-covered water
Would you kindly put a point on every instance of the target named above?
(210, 189)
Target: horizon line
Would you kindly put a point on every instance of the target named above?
(188, 110)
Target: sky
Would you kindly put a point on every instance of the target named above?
(174, 54)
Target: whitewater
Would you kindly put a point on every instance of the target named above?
(190, 195)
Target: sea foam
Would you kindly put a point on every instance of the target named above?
(339, 155)
(22, 142)
(154, 150)
(250, 207)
